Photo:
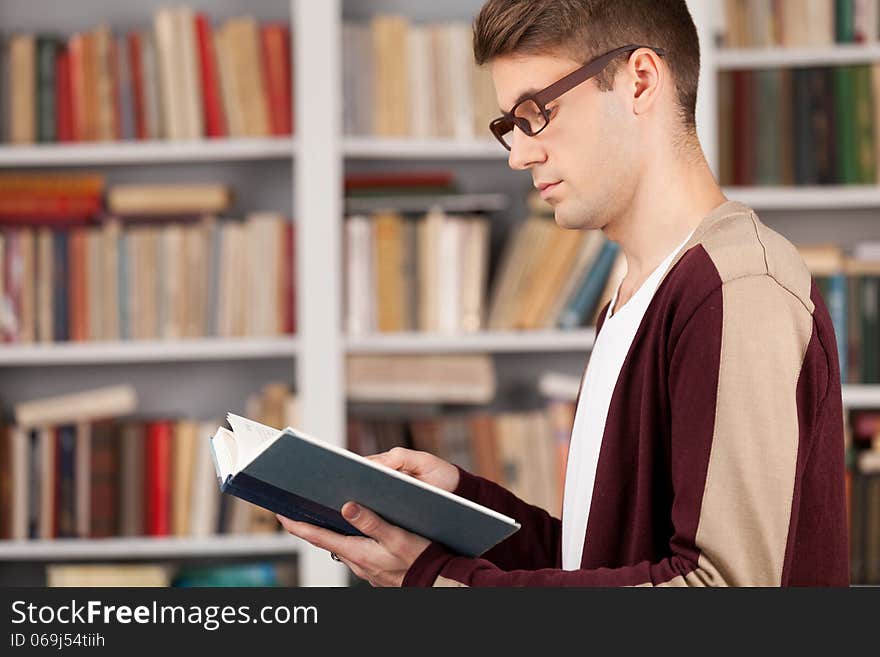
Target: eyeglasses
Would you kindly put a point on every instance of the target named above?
(530, 114)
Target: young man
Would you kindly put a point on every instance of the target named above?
(707, 446)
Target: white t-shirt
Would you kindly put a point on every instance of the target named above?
(606, 359)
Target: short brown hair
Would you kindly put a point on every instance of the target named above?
(583, 29)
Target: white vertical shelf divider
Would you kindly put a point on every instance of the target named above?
(318, 208)
(703, 13)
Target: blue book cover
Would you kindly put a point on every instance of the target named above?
(60, 276)
(587, 295)
(66, 437)
(837, 308)
(306, 479)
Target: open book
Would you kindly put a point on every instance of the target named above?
(306, 479)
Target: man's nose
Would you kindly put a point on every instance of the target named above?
(525, 151)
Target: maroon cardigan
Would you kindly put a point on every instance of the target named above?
(722, 461)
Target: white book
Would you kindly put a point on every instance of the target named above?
(359, 283)
(461, 65)
(168, 58)
(20, 474)
(421, 98)
(476, 263)
(205, 497)
(111, 401)
(190, 77)
(449, 282)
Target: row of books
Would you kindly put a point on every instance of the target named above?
(179, 80)
(257, 573)
(418, 80)
(430, 274)
(765, 23)
(524, 451)
(850, 285)
(122, 476)
(803, 126)
(863, 495)
(550, 277)
(68, 199)
(142, 281)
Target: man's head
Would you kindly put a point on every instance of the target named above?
(604, 132)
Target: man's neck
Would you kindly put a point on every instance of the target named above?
(670, 204)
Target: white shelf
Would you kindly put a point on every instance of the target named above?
(489, 342)
(378, 148)
(146, 152)
(861, 396)
(826, 197)
(728, 59)
(149, 548)
(155, 351)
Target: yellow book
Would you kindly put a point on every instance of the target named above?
(388, 256)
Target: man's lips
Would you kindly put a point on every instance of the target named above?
(546, 185)
(547, 188)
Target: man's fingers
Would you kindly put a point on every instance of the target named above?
(322, 538)
(369, 523)
(390, 459)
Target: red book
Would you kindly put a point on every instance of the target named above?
(157, 482)
(743, 128)
(24, 208)
(275, 41)
(288, 286)
(78, 111)
(13, 283)
(63, 99)
(116, 89)
(398, 179)
(77, 295)
(215, 121)
(104, 488)
(137, 84)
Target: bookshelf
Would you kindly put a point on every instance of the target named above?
(302, 177)
(497, 342)
(150, 548)
(147, 152)
(148, 351)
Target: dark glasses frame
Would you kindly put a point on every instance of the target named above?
(505, 123)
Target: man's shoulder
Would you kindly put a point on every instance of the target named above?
(733, 244)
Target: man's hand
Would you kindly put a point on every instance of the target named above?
(382, 559)
(421, 465)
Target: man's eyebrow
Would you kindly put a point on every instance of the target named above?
(525, 94)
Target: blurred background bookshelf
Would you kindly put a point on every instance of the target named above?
(381, 184)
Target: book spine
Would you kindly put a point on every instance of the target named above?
(47, 49)
(157, 491)
(66, 505)
(215, 123)
(579, 307)
(63, 97)
(837, 309)
(275, 46)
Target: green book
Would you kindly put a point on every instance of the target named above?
(47, 52)
(866, 161)
(845, 21)
(767, 110)
(846, 166)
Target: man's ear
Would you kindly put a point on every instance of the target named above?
(646, 76)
